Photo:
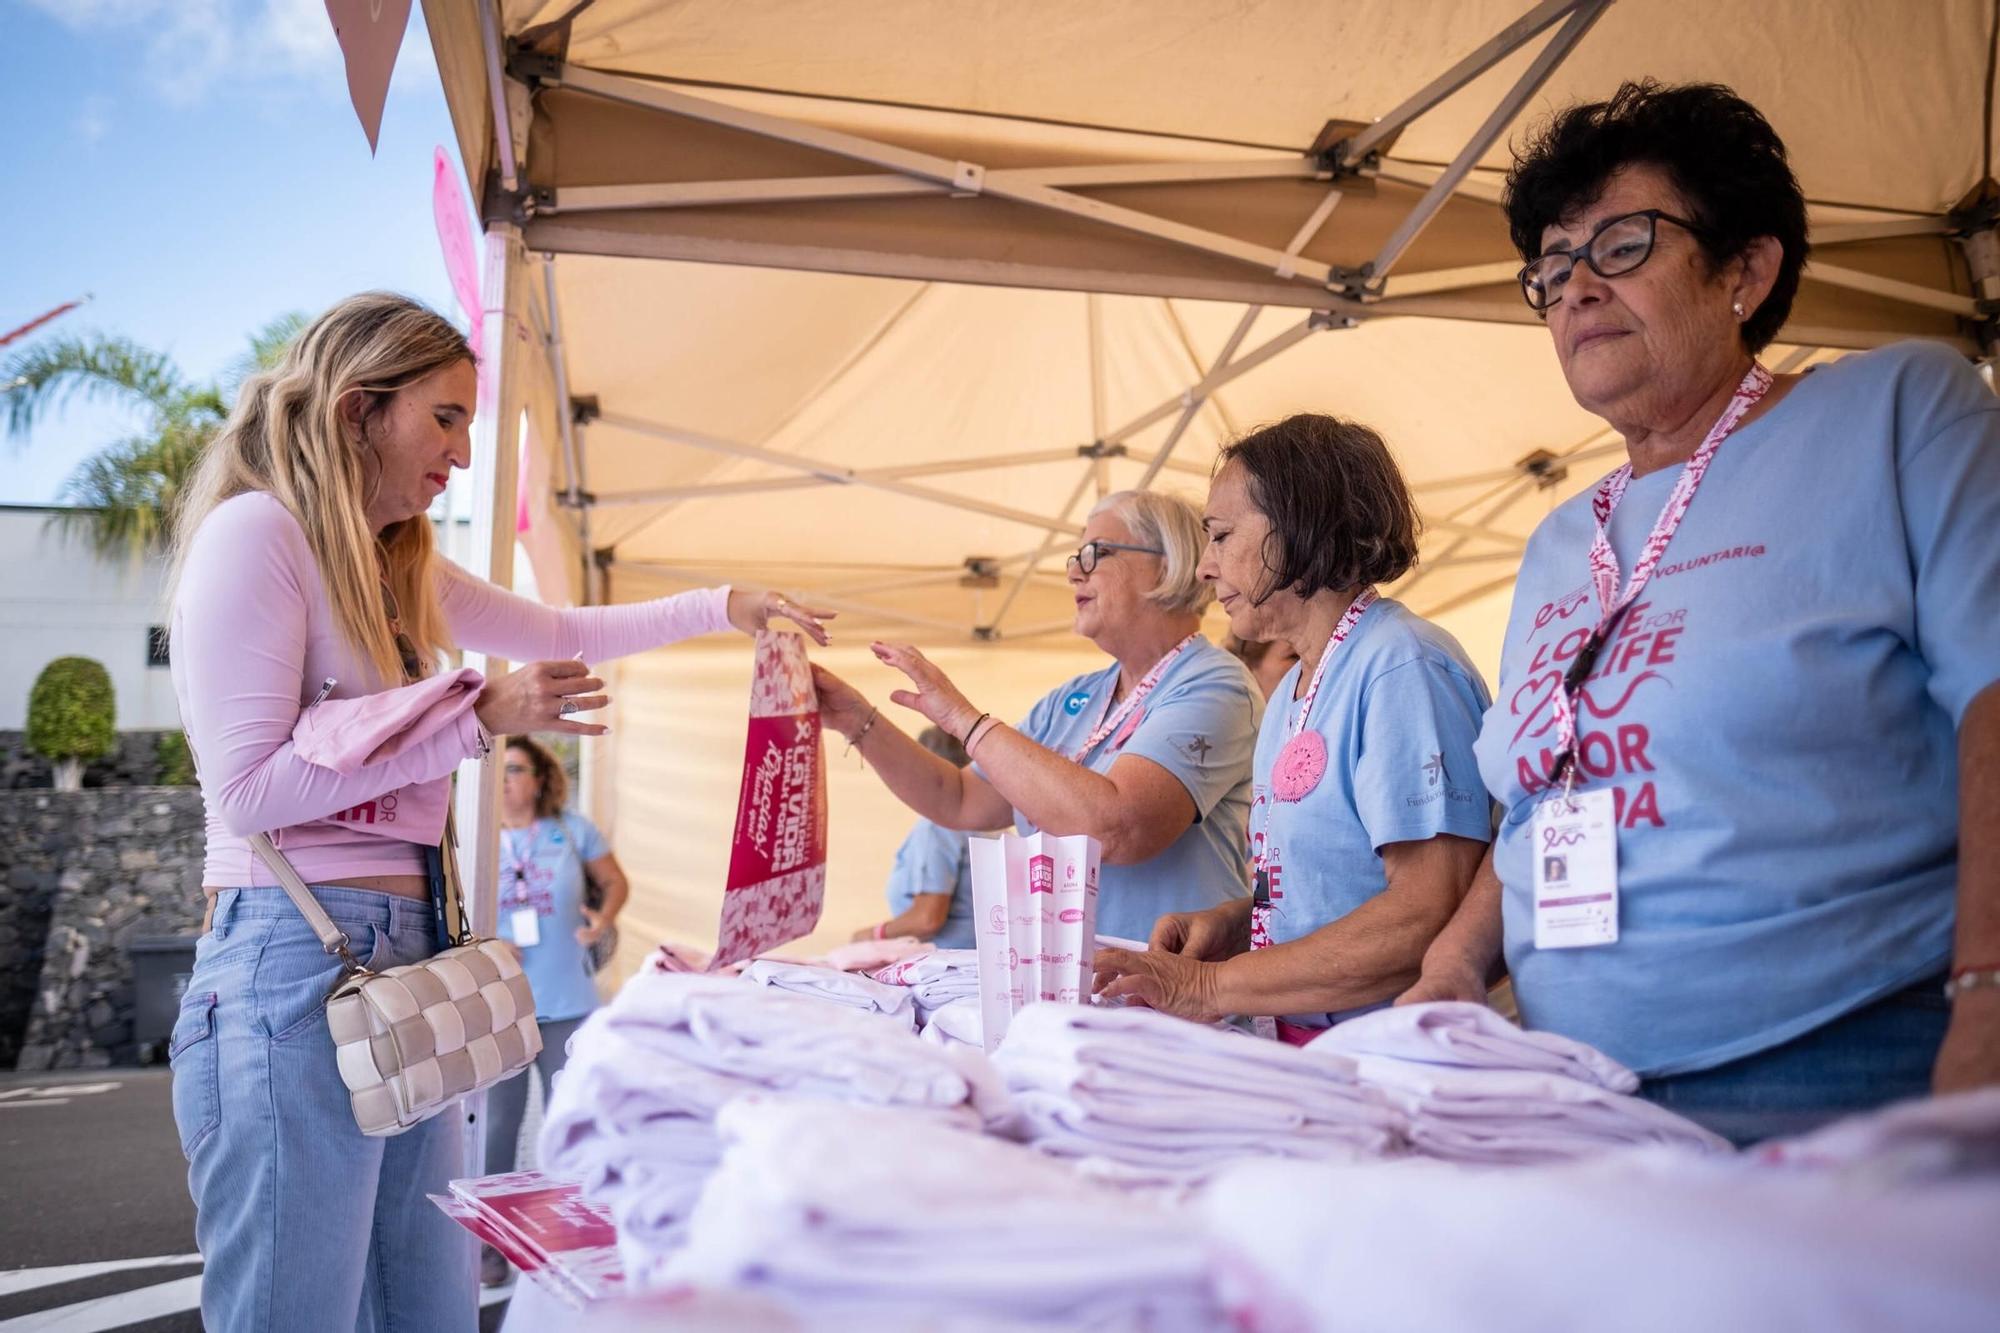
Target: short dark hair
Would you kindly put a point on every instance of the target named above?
(1717, 149)
(1341, 515)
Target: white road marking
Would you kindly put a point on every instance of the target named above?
(109, 1312)
(27, 1279)
(32, 1093)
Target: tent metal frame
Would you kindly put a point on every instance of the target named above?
(1335, 298)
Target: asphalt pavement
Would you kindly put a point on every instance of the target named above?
(96, 1229)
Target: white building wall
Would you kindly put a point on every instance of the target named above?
(59, 599)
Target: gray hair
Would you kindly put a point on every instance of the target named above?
(1172, 523)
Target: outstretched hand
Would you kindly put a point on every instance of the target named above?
(753, 612)
(934, 696)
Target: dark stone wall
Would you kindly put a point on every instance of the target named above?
(134, 763)
(84, 874)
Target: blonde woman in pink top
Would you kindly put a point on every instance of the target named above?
(310, 614)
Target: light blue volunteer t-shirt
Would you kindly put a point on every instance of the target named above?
(1200, 724)
(541, 869)
(933, 859)
(1399, 708)
(1776, 717)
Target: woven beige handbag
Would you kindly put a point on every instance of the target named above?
(414, 1039)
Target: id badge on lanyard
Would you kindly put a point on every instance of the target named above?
(1575, 850)
(1576, 870)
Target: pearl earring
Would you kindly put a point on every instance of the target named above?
(1738, 308)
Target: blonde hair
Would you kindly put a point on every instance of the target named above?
(286, 437)
(1172, 523)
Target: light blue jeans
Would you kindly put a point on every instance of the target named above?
(303, 1223)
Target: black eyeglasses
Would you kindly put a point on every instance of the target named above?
(413, 662)
(1088, 554)
(1617, 247)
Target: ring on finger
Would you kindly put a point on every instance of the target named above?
(568, 707)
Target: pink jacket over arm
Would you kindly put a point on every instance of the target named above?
(358, 787)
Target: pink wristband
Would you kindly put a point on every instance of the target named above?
(880, 926)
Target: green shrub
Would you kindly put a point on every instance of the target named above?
(176, 760)
(72, 716)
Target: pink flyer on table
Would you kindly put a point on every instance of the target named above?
(777, 859)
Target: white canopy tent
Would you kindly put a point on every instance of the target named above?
(870, 300)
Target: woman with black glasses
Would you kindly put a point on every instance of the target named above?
(1150, 754)
(1747, 736)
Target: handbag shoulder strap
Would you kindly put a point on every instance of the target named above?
(331, 937)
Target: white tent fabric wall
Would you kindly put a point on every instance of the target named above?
(677, 749)
(763, 422)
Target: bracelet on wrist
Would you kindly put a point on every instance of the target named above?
(966, 739)
(855, 739)
(1971, 978)
(880, 928)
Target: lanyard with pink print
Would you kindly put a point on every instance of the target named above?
(1604, 571)
(1300, 765)
(1114, 718)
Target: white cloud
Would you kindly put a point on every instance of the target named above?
(194, 46)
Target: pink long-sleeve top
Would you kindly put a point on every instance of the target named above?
(254, 641)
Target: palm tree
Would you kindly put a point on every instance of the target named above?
(124, 493)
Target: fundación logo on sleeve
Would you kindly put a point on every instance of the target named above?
(1074, 704)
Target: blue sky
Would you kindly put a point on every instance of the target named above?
(196, 166)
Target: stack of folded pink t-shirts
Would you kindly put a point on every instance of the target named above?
(879, 1218)
(1881, 1221)
(851, 989)
(632, 1115)
(1476, 1088)
(944, 984)
(1148, 1100)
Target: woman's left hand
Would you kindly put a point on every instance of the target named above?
(1970, 1056)
(753, 612)
(1169, 982)
(935, 696)
(592, 930)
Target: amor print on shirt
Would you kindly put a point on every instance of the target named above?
(1636, 663)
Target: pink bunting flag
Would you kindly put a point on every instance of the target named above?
(461, 255)
(370, 32)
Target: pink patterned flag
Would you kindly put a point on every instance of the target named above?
(777, 860)
(461, 257)
(369, 32)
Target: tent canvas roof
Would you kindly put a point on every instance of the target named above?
(852, 285)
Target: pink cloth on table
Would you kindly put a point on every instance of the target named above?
(253, 641)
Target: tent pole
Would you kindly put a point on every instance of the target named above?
(1489, 54)
(959, 177)
(805, 189)
(573, 462)
(831, 472)
(1506, 500)
(1209, 383)
(1194, 400)
(1048, 544)
(1544, 64)
(496, 86)
(1909, 293)
(716, 490)
(495, 458)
